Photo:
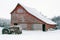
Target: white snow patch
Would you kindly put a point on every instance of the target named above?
(1, 30)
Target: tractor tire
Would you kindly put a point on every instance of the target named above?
(5, 31)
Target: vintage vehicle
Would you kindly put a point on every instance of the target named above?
(12, 30)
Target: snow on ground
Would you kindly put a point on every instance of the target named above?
(1, 30)
(32, 35)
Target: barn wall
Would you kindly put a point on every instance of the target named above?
(50, 26)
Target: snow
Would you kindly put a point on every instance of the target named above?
(1, 30)
(37, 14)
(32, 35)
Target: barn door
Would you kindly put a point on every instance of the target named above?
(43, 27)
(23, 26)
(37, 27)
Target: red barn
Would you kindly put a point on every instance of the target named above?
(30, 18)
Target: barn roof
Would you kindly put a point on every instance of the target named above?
(37, 14)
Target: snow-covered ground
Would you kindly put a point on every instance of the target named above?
(32, 35)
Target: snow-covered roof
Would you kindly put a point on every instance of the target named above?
(38, 14)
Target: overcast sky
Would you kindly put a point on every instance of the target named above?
(48, 8)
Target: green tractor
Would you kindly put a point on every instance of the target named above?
(16, 29)
(12, 30)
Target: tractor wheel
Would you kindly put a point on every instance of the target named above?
(5, 31)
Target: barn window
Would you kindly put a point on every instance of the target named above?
(15, 24)
(22, 18)
(20, 10)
